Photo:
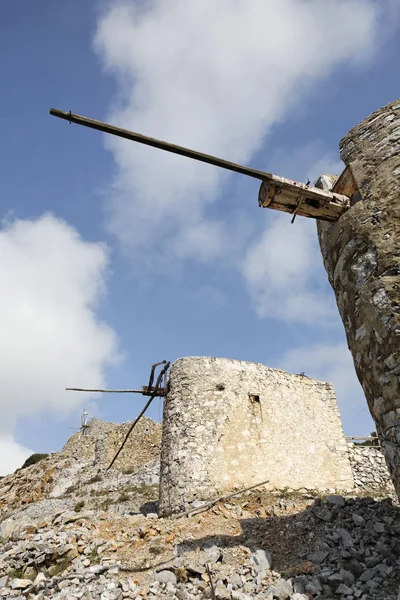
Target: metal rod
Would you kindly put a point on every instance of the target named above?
(140, 415)
(153, 368)
(149, 141)
(143, 392)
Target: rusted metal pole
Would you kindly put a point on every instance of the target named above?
(140, 415)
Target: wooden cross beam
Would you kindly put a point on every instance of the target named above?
(300, 199)
(276, 192)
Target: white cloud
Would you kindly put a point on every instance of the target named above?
(213, 76)
(307, 161)
(12, 454)
(51, 337)
(333, 362)
(282, 267)
(284, 275)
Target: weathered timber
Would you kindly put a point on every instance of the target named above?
(160, 144)
(276, 192)
(297, 198)
(363, 438)
(145, 391)
(347, 185)
(209, 503)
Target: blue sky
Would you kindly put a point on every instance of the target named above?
(114, 256)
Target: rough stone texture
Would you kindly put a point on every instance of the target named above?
(103, 439)
(370, 471)
(101, 540)
(83, 461)
(361, 254)
(231, 424)
(288, 554)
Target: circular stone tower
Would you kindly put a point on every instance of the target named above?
(361, 253)
(231, 424)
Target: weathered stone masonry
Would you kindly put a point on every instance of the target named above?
(370, 472)
(231, 424)
(361, 254)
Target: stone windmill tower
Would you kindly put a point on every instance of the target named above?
(361, 253)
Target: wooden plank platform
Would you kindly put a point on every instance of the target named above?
(300, 199)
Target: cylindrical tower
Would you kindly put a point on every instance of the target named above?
(361, 253)
(231, 424)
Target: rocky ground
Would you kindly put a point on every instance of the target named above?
(257, 546)
(71, 530)
(79, 471)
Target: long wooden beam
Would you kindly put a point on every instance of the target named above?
(275, 192)
(160, 144)
(145, 391)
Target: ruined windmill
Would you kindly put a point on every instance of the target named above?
(358, 219)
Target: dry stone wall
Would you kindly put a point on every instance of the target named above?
(231, 424)
(361, 253)
(370, 471)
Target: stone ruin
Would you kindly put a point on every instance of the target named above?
(231, 424)
(289, 425)
(360, 248)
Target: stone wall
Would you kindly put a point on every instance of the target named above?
(361, 253)
(231, 424)
(370, 471)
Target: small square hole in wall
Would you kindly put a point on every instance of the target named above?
(254, 398)
(220, 387)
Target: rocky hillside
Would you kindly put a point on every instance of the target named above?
(71, 530)
(80, 468)
(102, 440)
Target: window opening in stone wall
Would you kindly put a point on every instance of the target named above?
(254, 398)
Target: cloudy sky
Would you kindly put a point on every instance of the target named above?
(113, 255)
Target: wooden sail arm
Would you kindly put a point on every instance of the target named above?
(276, 192)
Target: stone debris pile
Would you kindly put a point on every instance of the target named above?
(292, 549)
(71, 530)
(62, 559)
(357, 554)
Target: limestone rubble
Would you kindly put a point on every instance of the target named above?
(285, 548)
(94, 535)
